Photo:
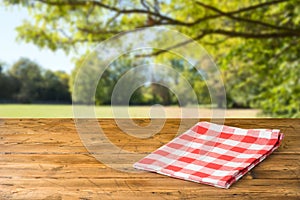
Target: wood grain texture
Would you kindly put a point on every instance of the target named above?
(45, 159)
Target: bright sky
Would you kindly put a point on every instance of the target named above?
(11, 50)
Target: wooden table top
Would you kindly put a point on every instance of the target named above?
(45, 159)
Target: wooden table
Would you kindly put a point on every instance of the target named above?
(45, 159)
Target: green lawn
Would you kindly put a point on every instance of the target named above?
(65, 111)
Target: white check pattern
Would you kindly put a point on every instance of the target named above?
(212, 154)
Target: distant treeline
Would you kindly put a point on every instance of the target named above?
(183, 85)
(26, 82)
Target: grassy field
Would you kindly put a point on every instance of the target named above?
(66, 111)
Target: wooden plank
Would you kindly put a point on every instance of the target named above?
(70, 166)
(45, 159)
(90, 194)
(59, 145)
(58, 126)
(125, 184)
(42, 135)
(132, 187)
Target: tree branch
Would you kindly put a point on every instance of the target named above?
(112, 8)
(145, 5)
(230, 15)
(226, 33)
(232, 33)
(173, 46)
(165, 20)
(112, 19)
(99, 31)
(260, 5)
(197, 21)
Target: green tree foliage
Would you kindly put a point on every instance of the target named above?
(255, 42)
(29, 78)
(154, 91)
(55, 87)
(8, 85)
(106, 82)
(27, 82)
(274, 81)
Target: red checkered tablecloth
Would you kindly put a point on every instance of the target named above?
(212, 154)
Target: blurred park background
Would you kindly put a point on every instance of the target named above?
(255, 43)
